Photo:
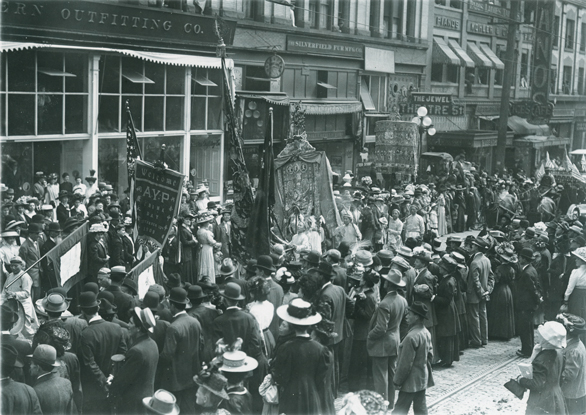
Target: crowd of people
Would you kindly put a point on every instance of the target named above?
(375, 304)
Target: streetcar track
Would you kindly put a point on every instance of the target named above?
(472, 382)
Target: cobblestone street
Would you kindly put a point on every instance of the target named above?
(474, 385)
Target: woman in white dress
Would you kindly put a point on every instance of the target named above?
(442, 225)
(395, 230)
(262, 310)
(205, 236)
(18, 286)
(314, 235)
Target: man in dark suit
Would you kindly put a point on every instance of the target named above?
(135, 379)
(29, 251)
(54, 392)
(235, 323)
(333, 256)
(340, 305)
(17, 397)
(8, 317)
(480, 284)
(97, 252)
(53, 239)
(526, 298)
(383, 338)
(265, 269)
(123, 302)
(63, 210)
(180, 359)
(206, 317)
(100, 340)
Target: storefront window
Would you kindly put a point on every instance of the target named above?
(206, 99)
(47, 92)
(156, 95)
(17, 167)
(206, 161)
(112, 165)
(151, 150)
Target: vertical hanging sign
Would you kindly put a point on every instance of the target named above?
(543, 45)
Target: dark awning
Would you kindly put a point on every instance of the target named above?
(443, 54)
(466, 60)
(279, 98)
(498, 64)
(480, 58)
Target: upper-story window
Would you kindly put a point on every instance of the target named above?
(583, 38)
(454, 4)
(43, 93)
(556, 31)
(320, 14)
(570, 34)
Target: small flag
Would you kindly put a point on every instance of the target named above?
(132, 147)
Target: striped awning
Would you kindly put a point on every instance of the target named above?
(443, 54)
(498, 64)
(331, 108)
(480, 58)
(157, 57)
(466, 60)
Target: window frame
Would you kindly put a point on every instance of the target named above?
(570, 37)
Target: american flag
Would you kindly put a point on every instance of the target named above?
(132, 147)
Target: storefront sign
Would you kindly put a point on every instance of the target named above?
(537, 112)
(157, 193)
(111, 23)
(442, 21)
(379, 60)
(486, 29)
(542, 47)
(436, 104)
(580, 126)
(324, 47)
(484, 7)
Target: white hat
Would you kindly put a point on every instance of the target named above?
(298, 312)
(98, 227)
(554, 333)
(237, 361)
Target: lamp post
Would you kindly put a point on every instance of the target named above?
(425, 125)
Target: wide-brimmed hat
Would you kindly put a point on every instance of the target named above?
(356, 272)
(12, 315)
(55, 303)
(363, 257)
(286, 278)
(117, 273)
(419, 308)
(214, 382)
(237, 361)
(106, 307)
(395, 277)
(572, 323)
(422, 255)
(162, 403)
(580, 253)
(299, 312)
(98, 228)
(205, 217)
(554, 333)
(227, 267)
(64, 193)
(17, 260)
(265, 262)
(201, 188)
(178, 295)
(130, 283)
(9, 234)
(232, 291)
(45, 354)
(507, 253)
(405, 251)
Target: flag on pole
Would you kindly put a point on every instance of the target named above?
(259, 228)
(132, 147)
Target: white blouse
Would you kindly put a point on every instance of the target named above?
(577, 280)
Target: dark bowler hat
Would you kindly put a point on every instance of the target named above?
(91, 286)
(324, 268)
(106, 308)
(151, 300)
(418, 308)
(10, 357)
(250, 266)
(313, 258)
(526, 253)
(34, 228)
(88, 300)
(70, 223)
(54, 227)
(232, 291)
(174, 280)
(130, 283)
(227, 267)
(64, 193)
(178, 295)
(265, 262)
(194, 292)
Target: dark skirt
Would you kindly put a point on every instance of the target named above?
(448, 349)
(188, 272)
(501, 313)
(577, 306)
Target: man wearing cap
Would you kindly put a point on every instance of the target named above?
(479, 286)
(30, 252)
(413, 374)
(100, 340)
(97, 252)
(265, 269)
(54, 392)
(124, 302)
(17, 397)
(180, 358)
(526, 298)
(135, 379)
(383, 338)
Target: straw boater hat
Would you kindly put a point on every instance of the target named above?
(162, 403)
(237, 361)
(554, 333)
(299, 312)
(98, 228)
(580, 253)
